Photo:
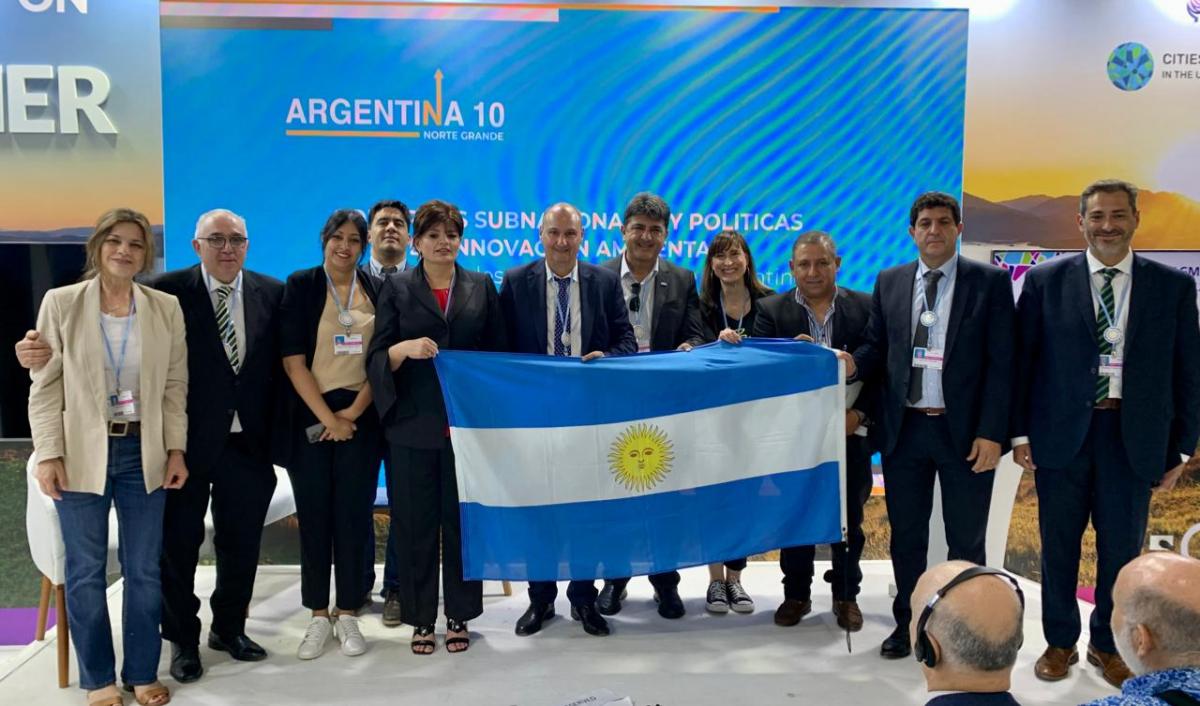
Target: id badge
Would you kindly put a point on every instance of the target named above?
(348, 344)
(1110, 366)
(928, 358)
(123, 404)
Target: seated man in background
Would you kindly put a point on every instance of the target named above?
(967, 629)
(1156, 625)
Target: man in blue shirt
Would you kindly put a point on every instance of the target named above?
(1156, 625)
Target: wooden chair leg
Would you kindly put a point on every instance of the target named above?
(43, 609)
(64, 637)
(507, 588)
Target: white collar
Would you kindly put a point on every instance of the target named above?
(574, 276)
(214, 284)
(377, 266)
(949, 268)
(1094, 264)
(626, 271)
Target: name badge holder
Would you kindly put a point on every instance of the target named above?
(121, 403)
(345, 343)
(738, 329)
(929, 358)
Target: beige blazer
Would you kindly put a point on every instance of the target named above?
(68, 402)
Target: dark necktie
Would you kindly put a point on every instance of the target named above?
(1109, 301)
(921, 337)
(562, 317)
(388, 271)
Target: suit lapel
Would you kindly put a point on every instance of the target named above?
(795, 318)
(587, 287)
(419, 290)
(1079, 289)
(900, 306)
(537, 285)
(964, 281)
(464, 289)
(89, 318)
(255, 314)
(663, 291)
(1139, 299)
(840, 321)
(150, 345)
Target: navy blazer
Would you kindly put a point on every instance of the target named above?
(1058, 358)
(217, 392)
(300, 310)
(409, 399)
(966, 698)
(676, 316)
(603, 317)
(977, 377)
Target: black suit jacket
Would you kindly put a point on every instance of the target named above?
(409, 399)
(999, 698)
(603, 318)
(977, 376)
(676, 315)
(712, 319)
(217, 392)
(1058, 355)
(299, 317)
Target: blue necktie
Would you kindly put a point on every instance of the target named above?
(562, 317)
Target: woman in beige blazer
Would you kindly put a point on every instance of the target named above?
(108, 415)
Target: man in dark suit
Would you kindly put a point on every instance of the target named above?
(389, 221)
(664, 310)
(1108, 407)
(233, 349)
(818, 311)
(941, 343)
(970, 635)
(560, 306)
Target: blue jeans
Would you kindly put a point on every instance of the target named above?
(84, 521)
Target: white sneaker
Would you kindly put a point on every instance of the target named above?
(315, 638)
(345, 627)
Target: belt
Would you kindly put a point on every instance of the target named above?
(1109, 403)
(124, 428)
(929, 411)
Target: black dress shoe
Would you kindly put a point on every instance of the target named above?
(537, 614)
(185, 663)
(593, 622)
(897, 645)
(609, 602)
(670, 605)
(239, 647)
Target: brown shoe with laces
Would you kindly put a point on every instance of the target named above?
(1112, 667)
(791, 611)
(1055, 663)
(849, 616)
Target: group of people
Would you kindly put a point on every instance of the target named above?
(1090, 379)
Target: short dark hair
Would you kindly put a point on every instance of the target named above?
(815, 237)
(390, 203)
(651, 206)
(341, 217)
(432, 213)
(934, 199)
(1108, 186)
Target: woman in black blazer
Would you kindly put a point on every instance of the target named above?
(436, 305)
(332, 451)
(729, 294)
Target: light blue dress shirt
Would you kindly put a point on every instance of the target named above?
(931, 380)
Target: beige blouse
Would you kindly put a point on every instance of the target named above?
(334, 372)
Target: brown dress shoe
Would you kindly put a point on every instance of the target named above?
(849, 617)
(1055, 662)
(1112, 667)
(791, 611)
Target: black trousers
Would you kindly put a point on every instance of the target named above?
(424, 496)
(846, 576)
(390, 580)
(1099, 484)
(334, 484)
(240, 487)
(669, 579)
(925, 451)
(578, 592)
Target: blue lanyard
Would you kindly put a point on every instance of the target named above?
(1115, 315)
(117, 365)
(937, 298)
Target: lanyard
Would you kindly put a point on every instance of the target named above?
(562, 318)
(937, 298)
(726, 316)
(344, 317)
(118, 364)
(1115, 315)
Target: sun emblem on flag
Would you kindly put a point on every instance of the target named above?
(640, 457)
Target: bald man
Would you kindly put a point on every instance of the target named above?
(1156, 625)
(969, 652)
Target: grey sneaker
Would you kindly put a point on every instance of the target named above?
(391, 610)
(717, 600)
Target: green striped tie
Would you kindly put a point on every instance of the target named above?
(1106, 348)
(225, 326)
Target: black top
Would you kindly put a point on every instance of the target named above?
(409, 399)
(712, 322)
(966, 698)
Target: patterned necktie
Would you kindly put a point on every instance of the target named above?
(225, 326)
(921, 337)
(562, 317)
(1108, 303)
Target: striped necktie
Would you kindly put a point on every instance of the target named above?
(225, 326)
(1108, 302)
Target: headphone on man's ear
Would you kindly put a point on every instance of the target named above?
(923, 649)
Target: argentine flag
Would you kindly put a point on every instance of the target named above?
(646, 463)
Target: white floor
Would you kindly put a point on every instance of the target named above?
(701, 659)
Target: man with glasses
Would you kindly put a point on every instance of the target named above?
(664, 310)
(233, 348)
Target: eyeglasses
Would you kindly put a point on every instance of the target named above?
(635, 301)
(218, 242)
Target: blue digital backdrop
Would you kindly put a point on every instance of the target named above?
(773, 123)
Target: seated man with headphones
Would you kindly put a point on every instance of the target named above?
(967, 629)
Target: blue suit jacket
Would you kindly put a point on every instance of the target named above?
(1058, 356)
(978, 374)
(604, 321)
(999, 698)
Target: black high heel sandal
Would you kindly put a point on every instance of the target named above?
(423, 638)
(454, 645)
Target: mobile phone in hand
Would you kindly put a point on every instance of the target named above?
(314, 432)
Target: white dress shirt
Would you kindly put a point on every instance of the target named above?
(1121, 285)
(552, 312)
(237, 309)
(931, 380)
(376, 267)
(643, 318)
